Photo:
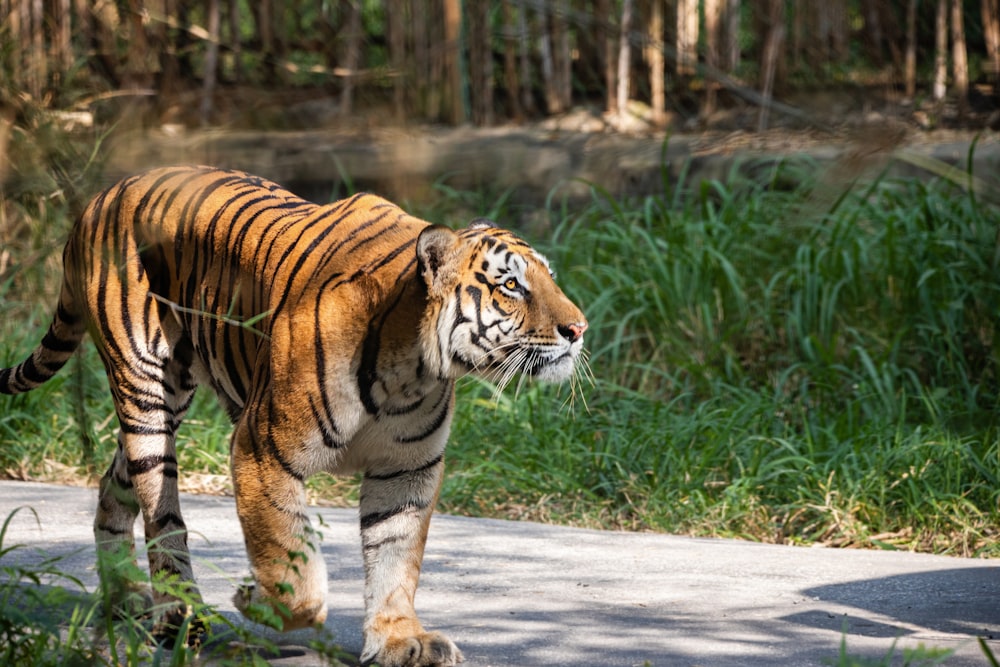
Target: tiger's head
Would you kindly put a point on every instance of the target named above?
(494, 308)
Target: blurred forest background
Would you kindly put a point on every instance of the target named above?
(679, 64)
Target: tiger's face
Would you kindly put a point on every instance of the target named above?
(495, 309)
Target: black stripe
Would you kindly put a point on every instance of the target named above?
(53, 342)
(369, 548)
(399, 473)
(31, 373)
(147, 463)
(66, 316)
(434, 426)
(169, 518)
(374, 518)
(327, 427)
(141, 429)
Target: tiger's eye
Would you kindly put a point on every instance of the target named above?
(510, 284)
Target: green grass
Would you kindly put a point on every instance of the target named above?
(772, 360)
(768, 369)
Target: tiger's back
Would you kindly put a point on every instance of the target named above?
(332, 335)
(225, 255)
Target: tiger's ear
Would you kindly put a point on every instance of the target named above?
(433, 246)
(482, 223)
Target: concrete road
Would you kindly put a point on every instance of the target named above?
(522, 594)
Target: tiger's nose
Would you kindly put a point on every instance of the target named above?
(572, 332)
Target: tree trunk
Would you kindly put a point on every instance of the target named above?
(265, 32)
(453, 60)
(624, 59)
(511, 34)
(910, 73)
(769, 57)
(553, 100)
(563, 57)
(37, 66)
(136, 70)
(606, 41)
(524, 58)
(15, 20)
(161, 42)
(960, 58)
(991, 35)
(62, 41)
(732, 49)
(480, 61)
(395, 24)
(654, 56)
(433, 22)
(235, 40)
(351, 57)
(940, 50)
(687, 37)
(713, 37)
(211, 62)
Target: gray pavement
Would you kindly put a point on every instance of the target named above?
(517, 594)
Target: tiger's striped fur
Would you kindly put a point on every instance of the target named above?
(356, 320)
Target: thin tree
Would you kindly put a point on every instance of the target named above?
(624, 59)
(236, 39)
(351, 56)
(396, 20)
(160, 34)
(687, 37)
(910, 68)
(211, 62)
(61, 40)
(267, 32)
(959, 57)
(453, 60)
(480, 61)
(991, 35)
(773, 42)
(553, 99)
(654, 56)
(524, 58)
(732, 36)
(562, 59)
(713, 54)
(510, 70)
(606, 39)
(33, 37)
(940, 50)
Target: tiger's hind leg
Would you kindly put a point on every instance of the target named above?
(285, 559)
(150, 399)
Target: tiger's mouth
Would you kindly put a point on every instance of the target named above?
(555, 369)
(553, 363)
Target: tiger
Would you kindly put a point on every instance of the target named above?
(332, 335)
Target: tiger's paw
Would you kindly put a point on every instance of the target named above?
(427, 649)
(282, 613)
(125, 602)
(179, 625)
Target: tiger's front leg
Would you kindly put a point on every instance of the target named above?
(396, 510)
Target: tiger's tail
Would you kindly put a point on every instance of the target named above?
(58, 345)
